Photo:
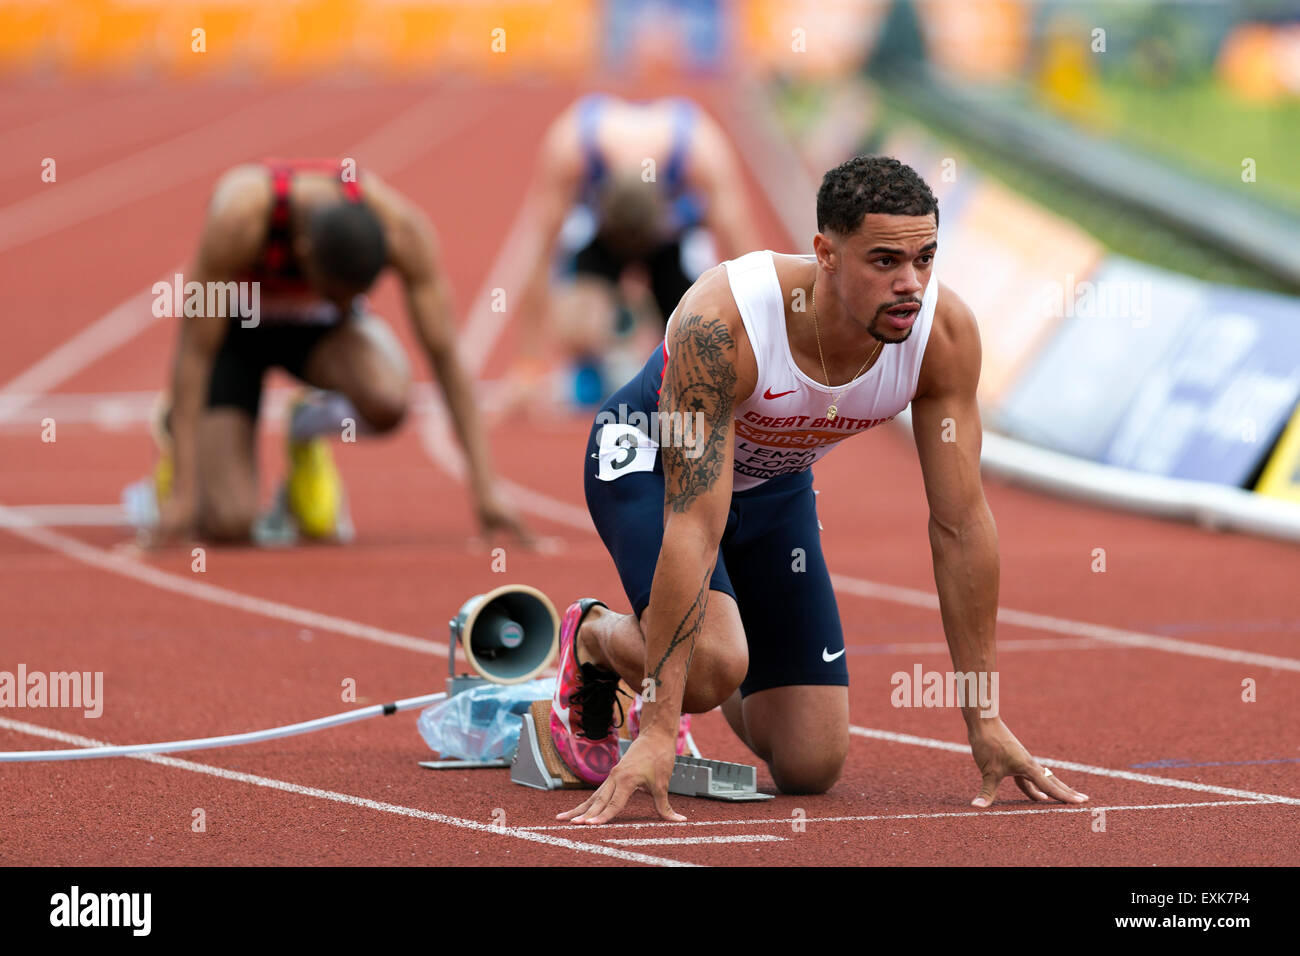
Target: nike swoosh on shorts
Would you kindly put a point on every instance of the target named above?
(827, 656)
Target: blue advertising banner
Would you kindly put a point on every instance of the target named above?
(1159, 373)
(1214, 406)
(1117, 327)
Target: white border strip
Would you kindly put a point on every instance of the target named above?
(1209, 505)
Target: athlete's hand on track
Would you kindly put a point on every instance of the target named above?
(999, 754)
(647, 765)
(494, 515)
(176, 522)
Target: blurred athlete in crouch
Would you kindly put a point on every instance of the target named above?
(624, 192)
(779, 358)
(314, 239)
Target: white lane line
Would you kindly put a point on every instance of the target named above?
(436, 118)
(694, 841)
(483, 325)
(16, 162)
(1046, 622)
(874, 817)
(1114, 635)
(13, 522)
(104, 335)
(58, 516)
(773, 160)
(301, 790)
(932, 743)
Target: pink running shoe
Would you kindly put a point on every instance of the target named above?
(634, 725)
(582, 710)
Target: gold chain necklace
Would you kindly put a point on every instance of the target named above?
(832, 411)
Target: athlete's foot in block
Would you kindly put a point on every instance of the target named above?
(589, 650)
(586, 643)
(582, 711)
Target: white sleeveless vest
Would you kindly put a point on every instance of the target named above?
(782, 427)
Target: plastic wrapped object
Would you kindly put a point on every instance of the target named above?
(481, 723)
(140, 502)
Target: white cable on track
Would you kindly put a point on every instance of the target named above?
(228, 740)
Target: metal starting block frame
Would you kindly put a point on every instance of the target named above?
(692, 776)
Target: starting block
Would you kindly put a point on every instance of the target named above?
(537, 764)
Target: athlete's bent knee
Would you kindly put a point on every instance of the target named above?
(713, 679)
(798, 772)
(228, 523)
(383, 412)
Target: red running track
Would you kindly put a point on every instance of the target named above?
(1139, 665)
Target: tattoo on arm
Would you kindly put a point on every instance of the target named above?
(688, 629)
(699, 388)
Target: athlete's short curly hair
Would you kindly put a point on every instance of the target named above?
(347, 243)
(865, 184)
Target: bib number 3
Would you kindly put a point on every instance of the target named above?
(622, 450)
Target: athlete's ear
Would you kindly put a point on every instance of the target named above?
(827, 253)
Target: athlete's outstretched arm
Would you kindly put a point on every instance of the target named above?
(415, 257)
(551, 194)
(964, 545)
(700, 388)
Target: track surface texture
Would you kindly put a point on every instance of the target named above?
(1128, 683)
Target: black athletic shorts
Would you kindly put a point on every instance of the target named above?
(770, 558)
(246, 354)
(668, 281)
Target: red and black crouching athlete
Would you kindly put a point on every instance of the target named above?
(769, 361)
(309, 238)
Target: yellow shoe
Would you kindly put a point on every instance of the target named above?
(160, 429)
(315, 488)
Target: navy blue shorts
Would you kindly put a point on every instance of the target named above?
(770, 558)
